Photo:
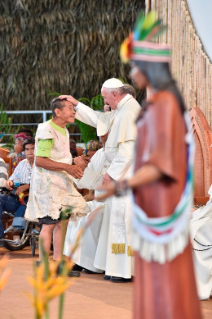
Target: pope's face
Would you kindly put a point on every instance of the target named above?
(138, 78)
(109, 98)
(67, 113)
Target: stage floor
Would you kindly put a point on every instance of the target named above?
(90, 297)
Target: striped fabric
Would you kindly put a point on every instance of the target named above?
(3, 173)
(148, 51)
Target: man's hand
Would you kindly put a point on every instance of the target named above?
(82, 161)
(107, 108)
(106, 179)
(70, 99)
(22, 189)
(74, 170)
(89, 197)
(9, 184)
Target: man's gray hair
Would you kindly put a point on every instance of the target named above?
(125, 89)
(57, 103)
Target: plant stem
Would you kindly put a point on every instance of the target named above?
(46, 314)
(61, 303)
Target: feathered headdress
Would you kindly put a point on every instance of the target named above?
(139, 45)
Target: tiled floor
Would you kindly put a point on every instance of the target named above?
(90, 297)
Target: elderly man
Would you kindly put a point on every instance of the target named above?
(120, 123)
(52, 188)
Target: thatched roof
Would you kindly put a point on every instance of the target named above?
(60, 45)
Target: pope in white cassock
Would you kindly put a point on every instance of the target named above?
(92, 178)
(114, 252)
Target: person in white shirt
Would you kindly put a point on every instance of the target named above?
(23, 170)
(120, 123)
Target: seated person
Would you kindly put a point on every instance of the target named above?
(93, 174)
(19, 153)
(201, 238)
(23, 170)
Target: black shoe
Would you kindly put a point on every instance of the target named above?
(120, 279)
(87, 271)
(73, 273)
(77, 268)
(107, 277)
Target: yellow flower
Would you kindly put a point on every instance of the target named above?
(47, 289)
(4, 278)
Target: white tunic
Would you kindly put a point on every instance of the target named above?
(51, 191)
(119, 153)
(201, 234)
(92, 177)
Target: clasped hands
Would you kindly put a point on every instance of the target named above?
(77, 170)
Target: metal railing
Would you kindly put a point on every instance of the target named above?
(44, 116)
(43, 112)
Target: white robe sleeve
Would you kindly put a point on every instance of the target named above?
(122, 162)
(92, 177)
(100, 120)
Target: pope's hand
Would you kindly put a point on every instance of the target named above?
(74, 170)
(70, 99)
(82, 161)
(106, 179)
(107, 108)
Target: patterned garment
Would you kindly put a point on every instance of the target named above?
(51, 191)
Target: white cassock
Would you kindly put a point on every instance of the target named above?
(85, 254)
(201, 237)
(114, 252)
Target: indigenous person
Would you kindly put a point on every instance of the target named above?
(52, 189)
(120, 123)
(162, 184)
(201, 236)
(24, 170)
(19, 153)
(93, 175)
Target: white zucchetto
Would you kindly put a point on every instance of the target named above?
(112, 84)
